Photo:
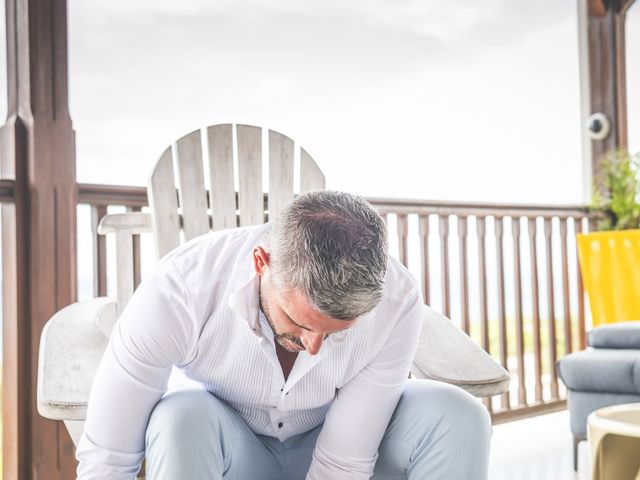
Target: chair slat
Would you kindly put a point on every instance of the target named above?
(250, 198)
(311, 177)
(193, 197)
(280, 172)
(164, 205)
(222, 195)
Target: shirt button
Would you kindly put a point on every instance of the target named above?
(280, 425)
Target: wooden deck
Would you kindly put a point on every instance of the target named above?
(537, 448)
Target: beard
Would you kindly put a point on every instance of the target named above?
(283, 339)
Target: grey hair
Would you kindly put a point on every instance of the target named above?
(331, 246)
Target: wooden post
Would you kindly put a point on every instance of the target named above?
(39, 229)
(602, 56)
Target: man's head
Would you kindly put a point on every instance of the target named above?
(322, 267)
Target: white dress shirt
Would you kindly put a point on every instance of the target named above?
(199, 312)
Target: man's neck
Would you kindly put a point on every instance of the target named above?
(286, 359)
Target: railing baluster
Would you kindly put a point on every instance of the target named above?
(444, 264)
(137, 270)
(548, 231)
(99, 252)
(401, 227)
(502, 315)
(424, 255)
(582, 333)
(482, 279)
(517, 277)
(566, 299)
(464, 273)
(482, 284)
(535, 307)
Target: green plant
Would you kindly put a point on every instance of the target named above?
(617, 191)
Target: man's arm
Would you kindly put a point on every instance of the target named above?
(347, 447)
(155, 331)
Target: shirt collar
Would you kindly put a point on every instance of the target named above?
(245, 302)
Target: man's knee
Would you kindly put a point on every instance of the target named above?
(192, 414)
(426, 406)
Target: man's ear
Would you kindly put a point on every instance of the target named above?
(260, 260)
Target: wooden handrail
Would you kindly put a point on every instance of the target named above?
(136, 196)
(104, 195)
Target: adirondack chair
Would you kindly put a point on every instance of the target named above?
(74, 339)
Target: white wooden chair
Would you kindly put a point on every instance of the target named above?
(74, 339)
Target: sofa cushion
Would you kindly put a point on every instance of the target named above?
(581, 404)
(601, 370)
(616, 335)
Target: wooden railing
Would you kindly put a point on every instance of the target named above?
(507, 274)
(532, 257)
(7, 190)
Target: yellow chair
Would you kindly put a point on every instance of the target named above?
(614, 440)
(610, 266)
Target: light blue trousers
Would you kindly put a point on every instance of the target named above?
(437, 432)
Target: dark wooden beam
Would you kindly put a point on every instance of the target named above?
(607, 72)
(597, 7)
(39, 229)
(626, 5)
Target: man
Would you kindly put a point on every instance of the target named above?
(301, 334)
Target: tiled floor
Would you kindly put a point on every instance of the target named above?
(537, 448)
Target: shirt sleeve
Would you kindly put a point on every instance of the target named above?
(347, 447)
(155, 331)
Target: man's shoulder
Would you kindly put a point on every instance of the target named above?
(216, 242)
(220, 252)
(399, 284)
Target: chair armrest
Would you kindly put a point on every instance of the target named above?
(134, 222)
(125, 226)
(447, 354)
(625, 335)
(71, 347)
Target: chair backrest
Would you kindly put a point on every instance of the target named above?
(194, 210)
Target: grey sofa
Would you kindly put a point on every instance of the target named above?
(607, 373)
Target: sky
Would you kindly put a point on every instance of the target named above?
(458, 100)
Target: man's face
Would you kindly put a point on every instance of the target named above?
(295, 323)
